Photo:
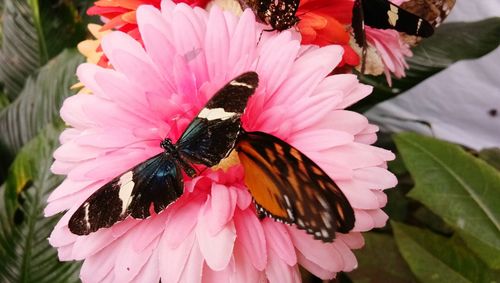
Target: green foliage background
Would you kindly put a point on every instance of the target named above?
(445, 212)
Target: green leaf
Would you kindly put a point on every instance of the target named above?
(40, 100)
(25, 253)
(60, 26)
(491, 156)
(34, 31)
(434, 258)
(20, 55)
(380, 261)
(470, 41)
(460, 188)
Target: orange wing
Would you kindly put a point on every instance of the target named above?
(290, 187)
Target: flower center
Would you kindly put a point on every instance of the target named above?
(228, 162)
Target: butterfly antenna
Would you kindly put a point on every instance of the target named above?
(257, 64)
(262, 31)
(364, 52)
(260, 37)
(364, 49)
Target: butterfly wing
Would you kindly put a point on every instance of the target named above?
(434, 11)
(383, 14)
(153, 184)
(290, 187)
(212, 134)
(358, 23)
(279, 14)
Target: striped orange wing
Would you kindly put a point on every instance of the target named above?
(288, 186)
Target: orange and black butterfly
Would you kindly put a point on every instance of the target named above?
(289, 187)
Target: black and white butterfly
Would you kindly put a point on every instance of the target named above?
(157, 182)
(383, 14)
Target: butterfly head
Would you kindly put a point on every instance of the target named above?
(167, 145)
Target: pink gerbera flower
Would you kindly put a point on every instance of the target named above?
(391, 49)
(212, 233)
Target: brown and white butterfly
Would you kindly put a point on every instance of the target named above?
(433, 11)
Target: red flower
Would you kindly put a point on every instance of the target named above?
(324, 22)
(121, 13)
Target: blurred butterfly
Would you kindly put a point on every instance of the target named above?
(433, 11)
(157, 182)
(289, 187)
(279, 14)
(383, 14)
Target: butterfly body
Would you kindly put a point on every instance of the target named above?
(279, 14)
(157, 182)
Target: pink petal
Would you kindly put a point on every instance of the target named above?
(113, 164)
(223, 205)
(352, 240)
(364, 221)
(150, 231)
(150, 272)
(95, 268)
(250, 235)
(381, 198)
(173, 260)
(358, 196)
(216, 44)
(182, 220)
(379, 217)
(355, 155)
(130, 263)
(322, 254)
(274, 69)
(348, 257)
(244, 270)
(212, 276)
(278, 239)
(152, 27)
(193, 268)
(66, 152)
(375, 178)
(68, 187)
(61, 236)
(314, 268)
(279, 271)
(342, 120)
(128, 57)
(190, 45)
(242, 41)
(216, 249)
